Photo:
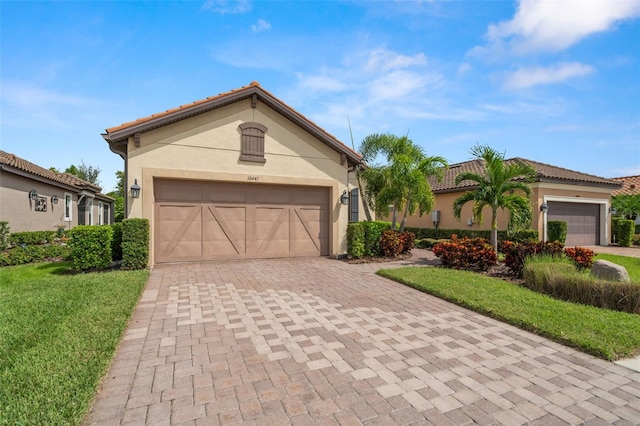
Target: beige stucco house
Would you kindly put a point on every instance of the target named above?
(580, 199)
(33, 198)
(238, 175)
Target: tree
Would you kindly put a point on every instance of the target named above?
(402, 182)
(118, 195)
(85, 172)
(627, 206)
(499, 186)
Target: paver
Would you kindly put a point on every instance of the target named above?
(320, 341)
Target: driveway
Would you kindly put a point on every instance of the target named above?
(316, 341)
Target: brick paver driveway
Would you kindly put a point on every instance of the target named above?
(319, 341)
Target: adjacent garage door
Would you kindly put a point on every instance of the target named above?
(583, 222)
(212, 220)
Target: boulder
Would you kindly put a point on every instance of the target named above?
(609, 271)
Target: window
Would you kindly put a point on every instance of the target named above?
(105, 214)
(68, 202)
(100, 212)
(353, 205)
(252, 142)
(90, 209)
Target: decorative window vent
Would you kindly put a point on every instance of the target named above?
(252, 143)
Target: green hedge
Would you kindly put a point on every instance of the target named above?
(32, 238)
(355, 240)
(372, 234)
(557, 230)
(20, 255)
(91, 246)
(445, 234)
(135, 243)
(116, 242)
(623, 231)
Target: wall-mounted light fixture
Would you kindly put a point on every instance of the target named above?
(135, 189)
(613, 211)
(344, 198)
(470, 222)
(544, 207)
(33, 195)
(54, 199)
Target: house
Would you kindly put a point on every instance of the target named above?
(630, 186)
(237, 175)
(33, 198)
(582, 200)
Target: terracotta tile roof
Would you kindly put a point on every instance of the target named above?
(29, 167)
(546, 173)
(183, 111)
(630, 185)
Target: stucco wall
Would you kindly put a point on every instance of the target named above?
(17, 209)
(207, 147)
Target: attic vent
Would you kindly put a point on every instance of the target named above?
(252, 142)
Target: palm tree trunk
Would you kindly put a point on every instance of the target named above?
(494, 229)
(367, 212)
(394, 217)
(406, 211)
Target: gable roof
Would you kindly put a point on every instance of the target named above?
(118, 135)
(545, 173)
(630, 185)
(17, 163)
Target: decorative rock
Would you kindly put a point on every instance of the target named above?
(609, 271)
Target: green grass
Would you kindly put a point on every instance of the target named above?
(58, 334)
(631, 264)
(607, 334)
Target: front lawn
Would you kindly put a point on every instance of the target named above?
(607, 334)
(58, 334)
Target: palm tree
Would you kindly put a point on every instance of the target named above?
(403, 181)
(499, 186)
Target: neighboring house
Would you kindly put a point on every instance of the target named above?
(630, 186)
(238, 175)
(33, 198)
(582, 200)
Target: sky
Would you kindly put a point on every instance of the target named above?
(551, 81)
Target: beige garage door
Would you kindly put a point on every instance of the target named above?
(583, 222)
(210, 220)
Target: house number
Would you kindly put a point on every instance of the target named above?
(252, 178)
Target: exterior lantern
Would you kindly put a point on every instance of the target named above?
(135, 189)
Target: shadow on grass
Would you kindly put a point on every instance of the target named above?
(56, 268)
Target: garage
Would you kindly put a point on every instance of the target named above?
(583, 222)
(197, 220)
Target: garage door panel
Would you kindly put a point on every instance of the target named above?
(224, 231)
(234, 221)
(582, 219)
(179, 191)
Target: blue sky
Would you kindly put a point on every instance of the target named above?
(556, 82)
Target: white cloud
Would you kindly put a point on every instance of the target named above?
(227, 6)
(321, 83)
(260, 26)
(383, 59)
(544, 25)
(528, 77)
(464, 68)
(26, 96)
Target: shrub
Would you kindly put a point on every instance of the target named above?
(515, 254)
(372, 233)
(116, 242)
(445, 234)
(623, 231)
(91, 247)
(636, 240)
(4, 235)
(391, 244)
(518, 236)
(31, 238)
(560, 279)
(466, 253)
(425, 243)
(355, 240)
(135, 243)
(407, 239)
(582, 257)
(557, 230)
